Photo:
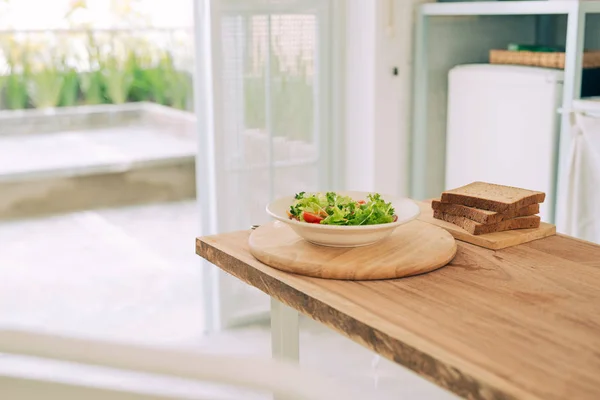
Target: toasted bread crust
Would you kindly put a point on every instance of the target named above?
(483, 216)
(476, 228)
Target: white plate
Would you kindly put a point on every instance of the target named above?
(346, 236)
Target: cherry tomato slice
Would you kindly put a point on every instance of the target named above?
(361, 202)
(312, 218)
(395, 218)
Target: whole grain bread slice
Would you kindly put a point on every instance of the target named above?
(483, 216)
(475, 228)
(492, 197)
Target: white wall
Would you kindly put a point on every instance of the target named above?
(359, 95)
(394, 96)
(378, 102)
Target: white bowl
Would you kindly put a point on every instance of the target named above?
(346, 236)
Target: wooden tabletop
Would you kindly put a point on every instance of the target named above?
(518, 323)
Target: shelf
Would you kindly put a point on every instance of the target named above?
(509, 8)
(589, 105)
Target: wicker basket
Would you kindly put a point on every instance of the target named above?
(591, 59)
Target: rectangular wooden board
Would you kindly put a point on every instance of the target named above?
(492, 241)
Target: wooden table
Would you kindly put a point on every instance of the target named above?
(518, 323)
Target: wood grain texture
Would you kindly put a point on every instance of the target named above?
(519, 323)
(492, 241)
(413, 248)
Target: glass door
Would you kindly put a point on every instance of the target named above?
(265, 124)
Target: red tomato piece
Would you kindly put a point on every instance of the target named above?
(395, 218)
(312, 218)
(361, 202)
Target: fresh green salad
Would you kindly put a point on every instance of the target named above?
(333, 209)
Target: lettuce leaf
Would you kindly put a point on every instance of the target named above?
(342, 210)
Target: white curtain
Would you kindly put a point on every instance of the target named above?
(583, 198)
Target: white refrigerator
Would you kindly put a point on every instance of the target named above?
(503, 127)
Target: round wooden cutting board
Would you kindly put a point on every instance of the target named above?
(414, 248)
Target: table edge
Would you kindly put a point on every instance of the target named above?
(425, 365)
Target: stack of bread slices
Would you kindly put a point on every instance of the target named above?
(481, 208)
